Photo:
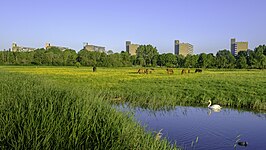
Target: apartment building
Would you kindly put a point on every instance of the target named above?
(48, 46)
(183, 48)
(131, 48)
(16, 48)
(236, 47)
(94, 48)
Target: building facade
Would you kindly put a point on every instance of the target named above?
(131, 48)
(238, 46)
(16, 48)
(183, 48)
(93, 48)
(48, 46)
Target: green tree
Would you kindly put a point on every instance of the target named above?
(191, 61)
(89, 58)
(77, 64)
(243, 53)
(140, 61)
(147, 55)
(170, 60)
(11, 58)
(103, 60)
(203, 61)
(133, 59)
(180, 61)
(69, 57)
(2, 56)
(251, 59)
(109, 52)
(210, 60)
(187, 62)
(161, 60)
(125, 57)
(39, 57)
(261, 49)
(241, 60)
(225, 59)
(54, 56)
(23, 58)
(115, 60)
(83, 57)
(260, 57)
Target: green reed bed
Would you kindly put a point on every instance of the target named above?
(36, 115)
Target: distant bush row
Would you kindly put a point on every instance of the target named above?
(147, 55)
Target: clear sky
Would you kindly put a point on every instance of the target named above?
(207, 24)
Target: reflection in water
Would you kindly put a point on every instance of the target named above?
(262, 115)
(213, 110)
(203, 128)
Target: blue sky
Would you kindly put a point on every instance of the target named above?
(207, 24)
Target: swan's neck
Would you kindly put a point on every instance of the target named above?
(209, 103)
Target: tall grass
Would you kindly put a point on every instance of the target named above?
(232, 89)
(36, 114)
(229, 88)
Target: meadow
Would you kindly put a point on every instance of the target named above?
(36, 114)
(69, 107)
(158, 90)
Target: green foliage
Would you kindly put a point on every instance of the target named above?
(147, 55)
(180, 61)
(77, 64)
(114, 60)
(241, 62)
(39, 57)
(69, 57)
(260, 56)
(210, 61)
(191, 61)
(125, 58)
(233, 88)
(261, 49)
(203, 60)
(38, 108)
(168, 60)
(109, 52)
(225, 59)
(133, 59)
(1, 61)
(37, 115)
(87, 58)
(54, 56)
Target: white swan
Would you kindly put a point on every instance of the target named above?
(214, 107)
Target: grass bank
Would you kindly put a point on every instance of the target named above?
(38, 113)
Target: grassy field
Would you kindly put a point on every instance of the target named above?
(38, 113)
(229, 88)
(68, 107)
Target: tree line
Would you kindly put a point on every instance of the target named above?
(147, 56)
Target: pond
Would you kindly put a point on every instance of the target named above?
(203, 129)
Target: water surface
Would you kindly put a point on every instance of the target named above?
(203, 129)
